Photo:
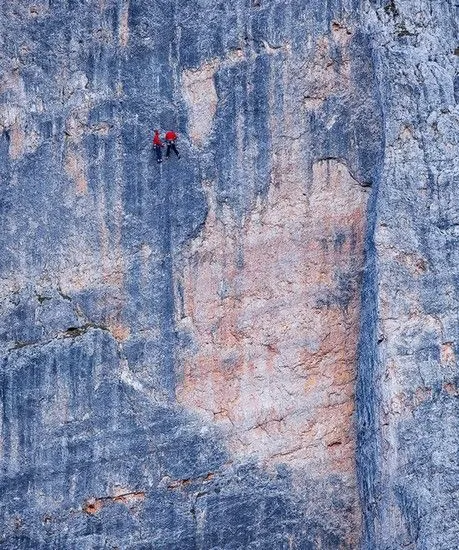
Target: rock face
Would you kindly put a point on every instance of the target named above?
(255, 346)
(408, 373)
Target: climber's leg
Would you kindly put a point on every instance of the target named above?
(159, 154)
(175, 149)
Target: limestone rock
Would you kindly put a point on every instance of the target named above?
(255, 346)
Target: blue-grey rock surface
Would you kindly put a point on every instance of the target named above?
(253, 346)
(408, 395)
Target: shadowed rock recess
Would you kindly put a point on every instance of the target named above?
(255, 347)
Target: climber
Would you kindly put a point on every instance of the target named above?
(157, 145)
(171, 138)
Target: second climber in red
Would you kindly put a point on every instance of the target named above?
(157, 145)
(171, 138)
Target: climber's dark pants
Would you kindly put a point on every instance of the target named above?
(159, 153)
(171, 145)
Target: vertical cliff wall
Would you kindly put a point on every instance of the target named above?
(181, 348)
(407, 391)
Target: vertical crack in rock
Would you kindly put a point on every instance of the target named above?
(407, 392)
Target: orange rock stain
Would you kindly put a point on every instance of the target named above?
(272, 307)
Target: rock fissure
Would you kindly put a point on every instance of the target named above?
(94, 505)
(71, 332)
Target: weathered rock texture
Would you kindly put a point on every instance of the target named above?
(408, 388)
(256, 346)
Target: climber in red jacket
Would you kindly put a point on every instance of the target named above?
(157, 145)
(171, 138)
